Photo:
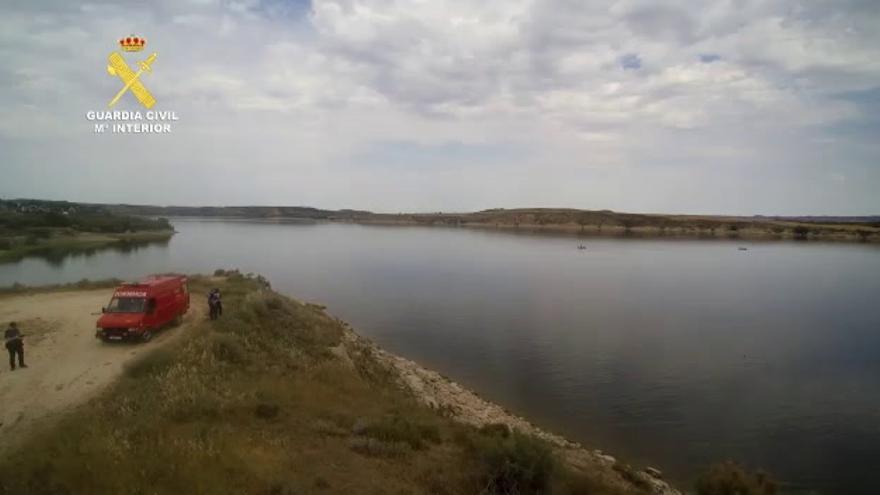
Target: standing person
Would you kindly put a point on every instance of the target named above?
(15, 345)
(212, 304)
(215, 305)
(219, 303)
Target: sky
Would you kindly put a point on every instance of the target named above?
(720, 106)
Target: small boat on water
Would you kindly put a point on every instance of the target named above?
(581, 246)
(741, 248)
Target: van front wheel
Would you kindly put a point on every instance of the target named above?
(147, 336)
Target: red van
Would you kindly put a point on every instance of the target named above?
(138, 310)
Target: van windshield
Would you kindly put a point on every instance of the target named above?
(126, 305)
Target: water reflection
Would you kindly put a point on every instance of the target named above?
(57, 256)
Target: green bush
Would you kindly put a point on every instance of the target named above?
(41, 232)
(267, 411)
(151, 363)
(227, 348)
(496, 429)
(729, 478)
(513, 462)
(801, 232)
(54, 219)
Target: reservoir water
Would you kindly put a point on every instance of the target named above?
(672, 353)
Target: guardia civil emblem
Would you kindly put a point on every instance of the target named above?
(131, 80)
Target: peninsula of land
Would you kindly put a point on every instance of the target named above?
(276, 396)
(49, 228)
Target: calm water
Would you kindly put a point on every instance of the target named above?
(670, 353)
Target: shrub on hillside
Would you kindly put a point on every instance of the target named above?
(513, 462)
(267, 411)
(397, 429)
(372, 447)
(500, 430)
(152, 363)
(55, 219)
(729, 478)
(228, 348)
(800, 232)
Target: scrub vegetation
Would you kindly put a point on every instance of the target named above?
(729, 478)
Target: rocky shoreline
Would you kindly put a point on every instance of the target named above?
(461, 404)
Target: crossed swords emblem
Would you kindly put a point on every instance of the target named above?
(131, 79)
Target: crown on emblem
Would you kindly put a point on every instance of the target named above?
(132, 43)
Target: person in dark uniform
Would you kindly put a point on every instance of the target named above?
(218, 302)
(15, 345)
(215, 305)
(212, 308)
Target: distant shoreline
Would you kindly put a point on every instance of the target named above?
(605, 223)
(647, 232)
(566, 220)
(821, 233)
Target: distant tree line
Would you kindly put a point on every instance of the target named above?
(14, 221)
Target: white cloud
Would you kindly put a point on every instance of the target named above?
(285, 95)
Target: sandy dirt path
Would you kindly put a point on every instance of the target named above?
(67, 365)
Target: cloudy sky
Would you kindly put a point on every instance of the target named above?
(727, 106)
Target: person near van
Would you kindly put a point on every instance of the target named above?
(219, 303)
(212, 312)
(15, 345)
(215, 304)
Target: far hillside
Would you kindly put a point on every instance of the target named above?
(598, 222)
(587, 222)
(607, 222)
